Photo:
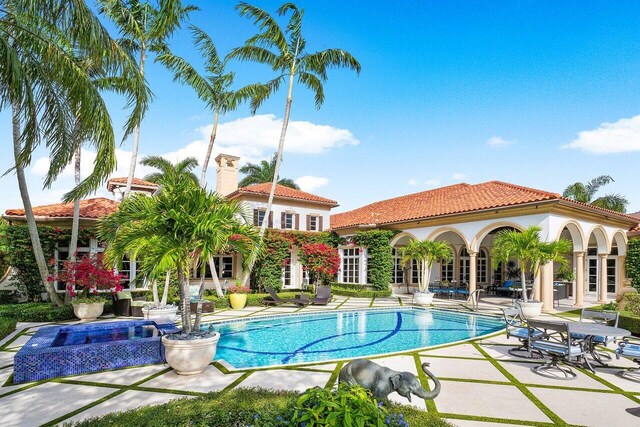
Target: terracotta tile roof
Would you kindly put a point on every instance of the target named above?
(282, 192)
(89, 208)
(458, 198)
(137, 182)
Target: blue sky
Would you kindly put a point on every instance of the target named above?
(449, 92)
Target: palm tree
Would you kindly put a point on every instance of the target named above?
(288, 57)
(529, 250)
(263, 172)
(168, 171)
(52, 99)
(585, 193)
(213, 88)
(174, 230)
(144, 28)
(426, 253)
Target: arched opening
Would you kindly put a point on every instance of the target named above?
(600, 266)
(487, 274)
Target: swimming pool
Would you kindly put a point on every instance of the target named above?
(293, 339)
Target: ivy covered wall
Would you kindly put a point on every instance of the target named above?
(380, 264)
(633, 262)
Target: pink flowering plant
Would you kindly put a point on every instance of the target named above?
(87, 276)
(238, 289)
(321, 261)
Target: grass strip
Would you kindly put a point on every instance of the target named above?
(400, 302)
(614, 387)
(494, 420)
(424, 380)
(13, 338)
(334, 376)
(372, 301)
(235, 383)
(340, 305)
(544, 408)
(83, 408)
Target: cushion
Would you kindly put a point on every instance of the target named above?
(124, 295)
(632, 350)
(139, 303)
(556, 348)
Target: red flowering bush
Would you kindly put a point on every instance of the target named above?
(88, 275)
(320, 260)
(238, 289)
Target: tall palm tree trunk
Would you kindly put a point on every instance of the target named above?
(165, 291)
(207, 157)
(216, 281)
(276, 173)
(75, 222)
(136, 135)
(523, 268)
(28, 211)
(184, 300)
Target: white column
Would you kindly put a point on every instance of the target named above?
(473, 269)
(602, 294)
(622, 273)
(546, 286)
(580, 282)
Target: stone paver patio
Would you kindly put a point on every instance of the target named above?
(482, 384)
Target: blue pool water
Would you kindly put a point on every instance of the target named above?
(76, 336)
(292, 339)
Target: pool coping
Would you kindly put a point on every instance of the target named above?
(232, 368)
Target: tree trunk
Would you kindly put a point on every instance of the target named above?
(523, 268)
(276, 174)
(136, 136)
(28, 210)
(207, 157)
(154, 290)
(165, 291)
(184, 302)
(75, 224)
(214, 275)
(196, 325)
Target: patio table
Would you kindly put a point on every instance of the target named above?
(592, 330)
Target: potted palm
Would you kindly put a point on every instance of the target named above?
(178, 227)
(531, 253)
(85, 278)
(426, 253)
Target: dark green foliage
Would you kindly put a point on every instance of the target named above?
(253, 300)
(631, 303)
(278, 245)
(20, 253)
(37, 312)
(633, 262)
(358, 291)
(262, 408)
(630, 321)
(380, 264)
(7, 325)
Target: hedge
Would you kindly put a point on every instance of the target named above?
(358, 291)
(41, 312)
(380, 262)
(7, 325)
(630, 322)
(235, 408)
(633, 262)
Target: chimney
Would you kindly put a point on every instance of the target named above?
(227, 174)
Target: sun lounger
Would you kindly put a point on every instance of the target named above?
(323, 295)
(273, 298)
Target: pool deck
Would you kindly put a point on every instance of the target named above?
(482, 385)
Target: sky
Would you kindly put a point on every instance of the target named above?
(536, 93)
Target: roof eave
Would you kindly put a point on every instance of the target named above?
(238, 193)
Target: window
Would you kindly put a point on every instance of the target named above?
(313, 223)
(397, 276)
(481, 268)
(497, 274)
(258, 216)
(128, 275)
(286, 272)
(224, 267)
(464, 266)
(446, 271)
(287, 221)
(351, 265)
(415, 272)
(611, 275)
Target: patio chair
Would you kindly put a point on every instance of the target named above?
(124, 304)
(606, 317)
(628, 349)
(273, 298)
(301, 300)
(516, 327)
(507, 287)
(323, 295)
(554, 339)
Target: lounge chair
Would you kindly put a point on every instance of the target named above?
(517, 328)
(554, 339)
(506, 287)
(323, 295)
(628, 349)
(273, 298)
(301, 300)
(125, 305)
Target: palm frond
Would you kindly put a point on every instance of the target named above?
(265, 22)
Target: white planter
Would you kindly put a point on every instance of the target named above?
(423, 298)
(170, 313)
(529, 309)
(188, 357)
(87, 312)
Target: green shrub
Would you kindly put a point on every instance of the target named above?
(42, 312)
(630, 321)
(7, 325)
(358, 291)
(631, 303)
(633, 262)
(380, 262)
(253, 300)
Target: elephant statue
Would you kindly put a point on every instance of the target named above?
(382, 381)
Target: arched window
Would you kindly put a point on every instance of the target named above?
(482, 263)
(463, 264)
(446, 271)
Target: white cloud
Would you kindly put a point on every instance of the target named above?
(498, 142)
(459, 176)
(311, 183)
(432, 182)
(412, 182)
(619, 137)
